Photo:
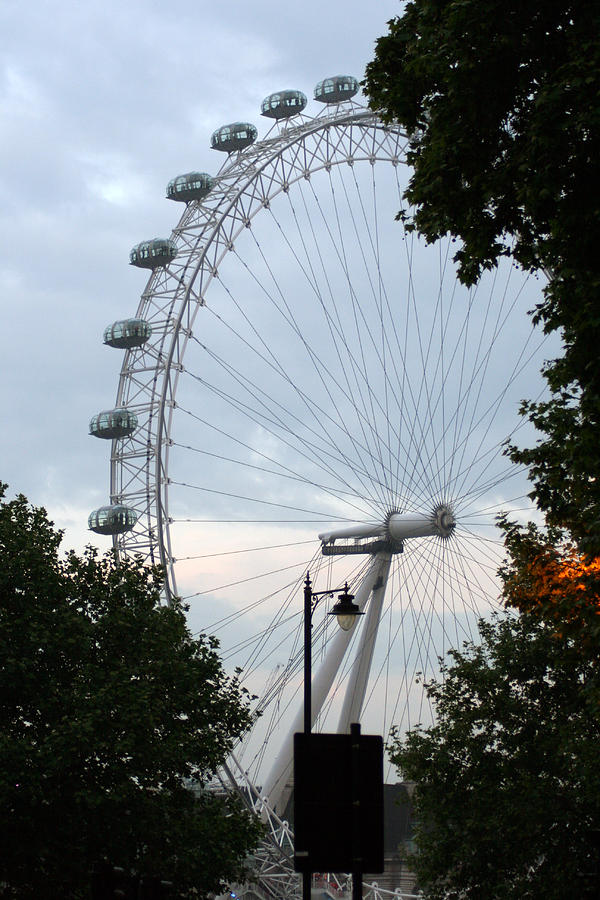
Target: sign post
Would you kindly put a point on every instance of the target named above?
(338, 804)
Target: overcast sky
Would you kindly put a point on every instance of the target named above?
(101, 104)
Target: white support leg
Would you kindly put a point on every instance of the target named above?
(361, 667)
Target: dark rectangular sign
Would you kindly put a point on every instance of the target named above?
(338, 803)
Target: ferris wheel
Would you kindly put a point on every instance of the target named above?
(306, 388)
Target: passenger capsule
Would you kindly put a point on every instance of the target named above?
(336, 89)
(115, 519)
(236, 136)
(114, 423)
(127, 333)
(193, 186)
(152, 254)
(283, 104)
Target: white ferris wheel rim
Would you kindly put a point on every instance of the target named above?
(236, 182)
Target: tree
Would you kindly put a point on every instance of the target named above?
(501, 99)
(507, 782)
(549, 580)
(501, 102)
(109, 710)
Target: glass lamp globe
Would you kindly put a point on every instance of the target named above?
(345, 610)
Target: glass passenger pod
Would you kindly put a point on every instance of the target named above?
(283, 104)
(113, 423)
(127, 333)
(116, 519)
(152, 254)
(192, 186)
(336, 89)
(236, 136)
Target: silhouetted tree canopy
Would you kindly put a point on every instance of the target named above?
(501, 102)
(507, 793)
(109, 710)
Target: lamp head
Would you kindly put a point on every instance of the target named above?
(345, 610)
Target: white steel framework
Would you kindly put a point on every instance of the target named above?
(392, 447)
(247, 184)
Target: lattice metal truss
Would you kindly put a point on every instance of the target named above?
(274, 877)
(244, 187)
(206, 233)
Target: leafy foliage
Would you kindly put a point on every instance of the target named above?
(107, 706)
(501, 101)
(507, 782)
(502, 104)
(551, 581)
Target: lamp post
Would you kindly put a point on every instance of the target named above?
(346, 611)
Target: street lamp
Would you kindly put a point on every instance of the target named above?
(346, 612)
